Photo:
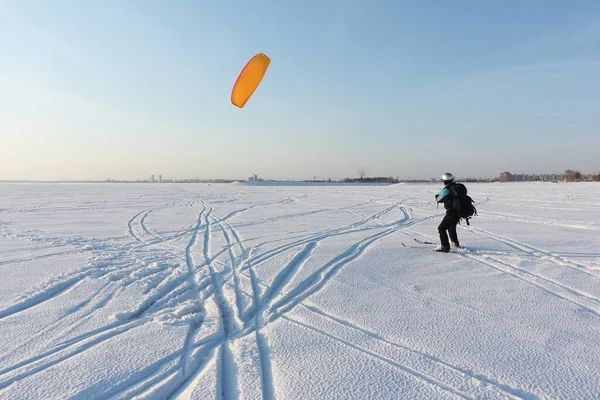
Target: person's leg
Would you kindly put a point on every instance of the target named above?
(454, 235)
(442, 228)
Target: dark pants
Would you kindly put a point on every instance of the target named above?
(449, 224)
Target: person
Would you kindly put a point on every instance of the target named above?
(452, 217)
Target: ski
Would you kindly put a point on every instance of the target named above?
(460, 249)
(423, 241)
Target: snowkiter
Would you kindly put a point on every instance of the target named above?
(452, 218)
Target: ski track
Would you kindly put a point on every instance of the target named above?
(41, 257)
(535, 252)
(226, 377)
(167, 286)
(239, 302)
(424, 378)
(48, 294)
(482, 379)
(320, 278)
(226, 363)
(195, 323)
(261, 342)
(170, 285)
(484, 382)
(567, 293)
(87, 308)
(551, 287)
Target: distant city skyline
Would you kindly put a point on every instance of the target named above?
(505, 176)
(402, 89)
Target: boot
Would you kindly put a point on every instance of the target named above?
(442, 249)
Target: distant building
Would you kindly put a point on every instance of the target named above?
(505, 177)
(379, 179)
(508, 177)
(160, 178)
(151, 178)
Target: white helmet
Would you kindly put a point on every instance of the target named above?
(447, 177)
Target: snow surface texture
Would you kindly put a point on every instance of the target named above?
(297, 292)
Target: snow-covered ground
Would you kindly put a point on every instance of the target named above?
(297, 292)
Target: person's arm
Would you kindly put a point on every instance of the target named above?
(443, 195)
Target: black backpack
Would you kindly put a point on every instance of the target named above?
(463, 202)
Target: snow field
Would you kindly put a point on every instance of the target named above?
(250, 292)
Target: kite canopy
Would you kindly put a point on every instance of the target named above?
(249, 79)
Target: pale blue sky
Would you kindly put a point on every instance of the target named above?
(125, 89)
